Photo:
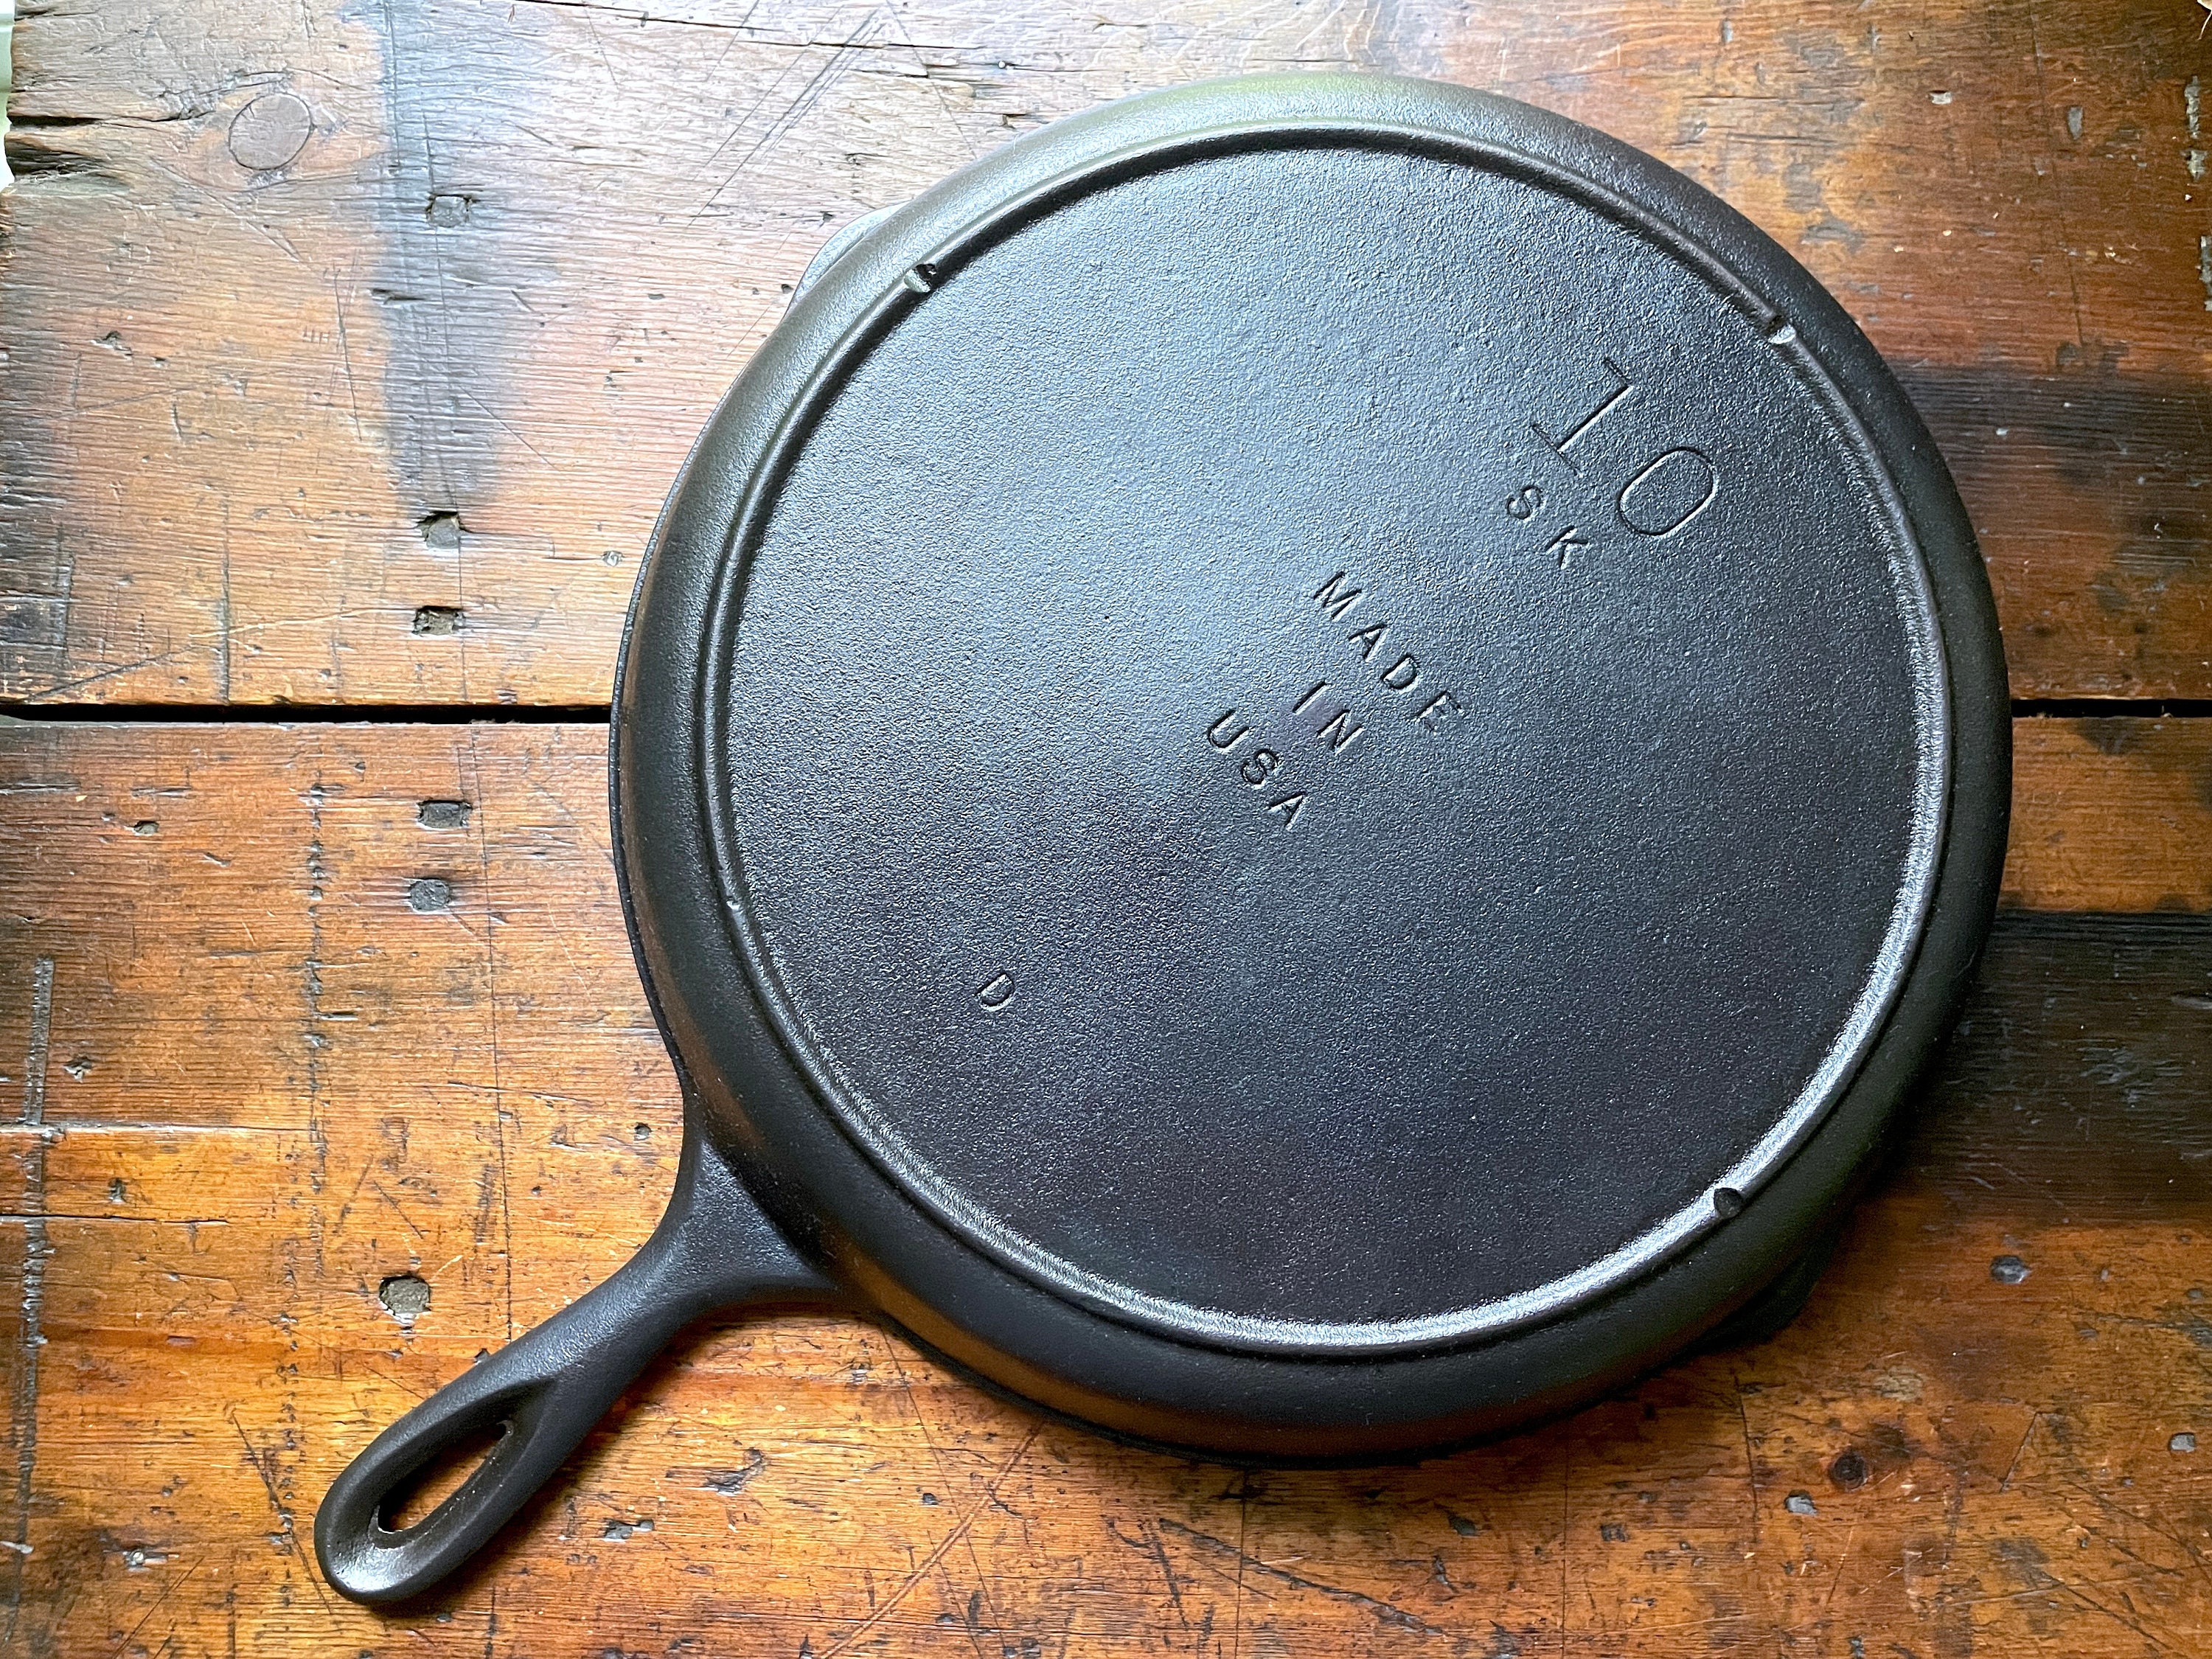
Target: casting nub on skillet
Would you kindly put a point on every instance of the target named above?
(1301, 770)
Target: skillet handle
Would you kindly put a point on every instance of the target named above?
(543, 1391)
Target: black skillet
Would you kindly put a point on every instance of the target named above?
(1301, 771)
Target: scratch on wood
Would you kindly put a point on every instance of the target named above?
(507, 427)
(1386, 1613)
(1836, 1575)
(396, 1210)
(797, 110)
(346, 1208)
(928, 1563)
(41, 1217)
(224, 618)
(167, 1590)
(318, 879)
(345, 362)
(937, 1452)
(1149, 1545)
(1243, 1555)
(935, 86)
(491, 1023)
(2057, 183)
(1750, 1458)
(1567, 1527)
(24, 1407)
(2039, 1577)
(2033, 1418)
(131, 1126)
(264, 1464)
(42, 1019)
(2122, 1512)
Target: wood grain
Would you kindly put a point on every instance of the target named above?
(257, 1085)
(2113, 815)
(351, 348)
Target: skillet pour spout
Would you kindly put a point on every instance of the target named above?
(1301, 772)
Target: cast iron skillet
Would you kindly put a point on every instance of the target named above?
(1300, 771)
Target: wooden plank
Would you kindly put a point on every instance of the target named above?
(326, 318)
(269, 1083)
(2112, 815)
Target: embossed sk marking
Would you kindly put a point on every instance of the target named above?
(1657, 499)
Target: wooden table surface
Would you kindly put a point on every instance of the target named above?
(346, 348)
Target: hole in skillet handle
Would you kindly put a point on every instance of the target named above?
(536, 1398)
(417, 1496)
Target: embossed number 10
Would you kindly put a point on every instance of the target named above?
(1656, 500)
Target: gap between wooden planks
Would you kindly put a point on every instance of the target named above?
(268, 1085)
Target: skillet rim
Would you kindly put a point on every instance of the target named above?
(1021, 1334)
